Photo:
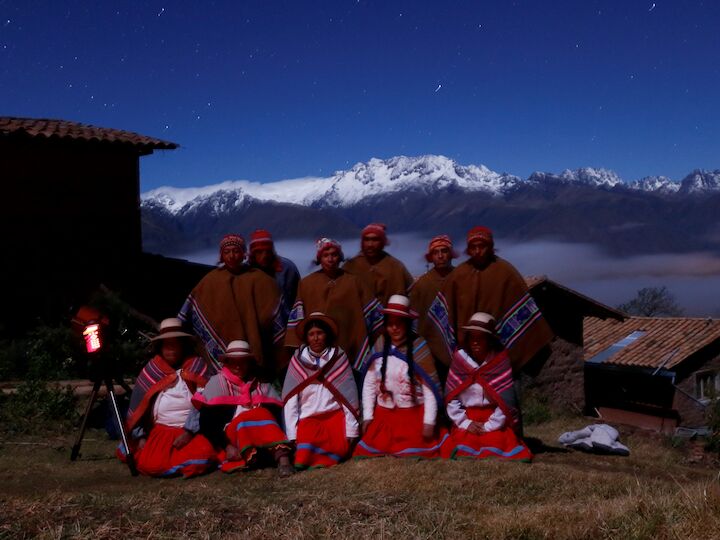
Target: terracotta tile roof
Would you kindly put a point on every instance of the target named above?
(63, 129)
(666, 341)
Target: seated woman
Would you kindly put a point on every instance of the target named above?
(320, 396)
(234, 412)
(480, 396)
(400, 392)
(160, 407)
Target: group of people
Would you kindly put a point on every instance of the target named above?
(370, 362)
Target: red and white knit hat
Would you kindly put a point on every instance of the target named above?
(480, 234)
(441, 240)
(377, 229)
(481, 322)
(325, 243)
(260, 239)
(232, 240)
(399, 305)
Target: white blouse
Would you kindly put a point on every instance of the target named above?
(315, 399)
(399, 390)
(173, 404)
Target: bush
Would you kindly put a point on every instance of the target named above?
(37, 406)
(535, 409)
(714, 425)
(53, 351)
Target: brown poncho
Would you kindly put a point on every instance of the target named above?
(422, 293)
(348, 301)
(224, 307)
(497, 289)
(387, 277)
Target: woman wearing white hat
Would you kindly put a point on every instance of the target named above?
(322, 408)
(400, 392)
(158, 419)
(480, 396)
(234, 411)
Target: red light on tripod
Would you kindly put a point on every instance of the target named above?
(93, 343)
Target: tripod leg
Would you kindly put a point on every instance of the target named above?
(93, 396)
(129, 458)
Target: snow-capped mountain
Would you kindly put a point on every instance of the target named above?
(345, 188)
(701, 181)
(655, 184)
(424, 174)
(434, 194)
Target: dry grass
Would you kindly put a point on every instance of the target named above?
(651, 494)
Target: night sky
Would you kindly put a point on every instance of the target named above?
(264, 90)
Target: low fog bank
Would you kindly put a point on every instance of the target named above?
(693, 278)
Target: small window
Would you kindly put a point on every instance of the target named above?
(707, 385)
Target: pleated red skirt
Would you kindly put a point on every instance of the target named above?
(398, 432)
(249, 432)
(321, 440)
(159, 458)
(502, 444)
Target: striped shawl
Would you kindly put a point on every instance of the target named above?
(495, 376)
(156, 376)
(336, 375)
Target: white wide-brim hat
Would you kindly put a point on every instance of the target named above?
(237, 350)
(481, 322)
(171, 328)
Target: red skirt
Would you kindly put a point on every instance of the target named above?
(503, 443)
(321, 440)
(159, 458)
(398, 432)
(249, 432)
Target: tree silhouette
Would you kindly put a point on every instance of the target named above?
(652, 302)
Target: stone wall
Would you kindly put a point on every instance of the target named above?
(692, 413)
(560, 381)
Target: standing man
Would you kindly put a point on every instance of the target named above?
(486, 283)
(384, 274)
(422, 293)
(282, 270)
(235, 301)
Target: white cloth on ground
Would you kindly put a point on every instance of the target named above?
(600, 438)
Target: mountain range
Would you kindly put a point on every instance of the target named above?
(433, 194)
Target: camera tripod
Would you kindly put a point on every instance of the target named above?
(102, 376)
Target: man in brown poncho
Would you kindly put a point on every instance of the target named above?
(343, 297)
(422, 293)
(486, 283)
(381, 272)
(236, 302)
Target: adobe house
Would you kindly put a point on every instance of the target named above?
(69, 215)
(560, 377)
(652, 372)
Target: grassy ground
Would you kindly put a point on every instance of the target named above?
(654, 493)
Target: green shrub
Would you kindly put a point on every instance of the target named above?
(37, 406)
(714, 425)
(535, 409)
